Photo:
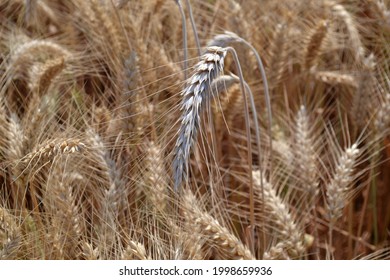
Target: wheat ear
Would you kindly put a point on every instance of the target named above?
(362, 97)
(220, 237)
(55, 147)
(357, 46)
(135, 251)
(314, 45)
(290, 234)
(195, 95)
(382, 119)
(305, 154)
(335, 78)
(28, 50)
(338, 188)
(89, 252)
(9, 235)
(41, 75)
(155, 176)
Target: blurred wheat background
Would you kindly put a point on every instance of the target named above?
(91, 110)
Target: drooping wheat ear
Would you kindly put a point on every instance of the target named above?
(362, 97)
(356, 43)
(10, 236)
(135, 251)
(289, 233)
(195, 95)
(156, 184)
(338, 189)
(41, 75)
(215, 235)
(28, 51)
(305, 154)
(336, 78)
(314, 45)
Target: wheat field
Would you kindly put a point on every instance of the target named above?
(203, 129)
